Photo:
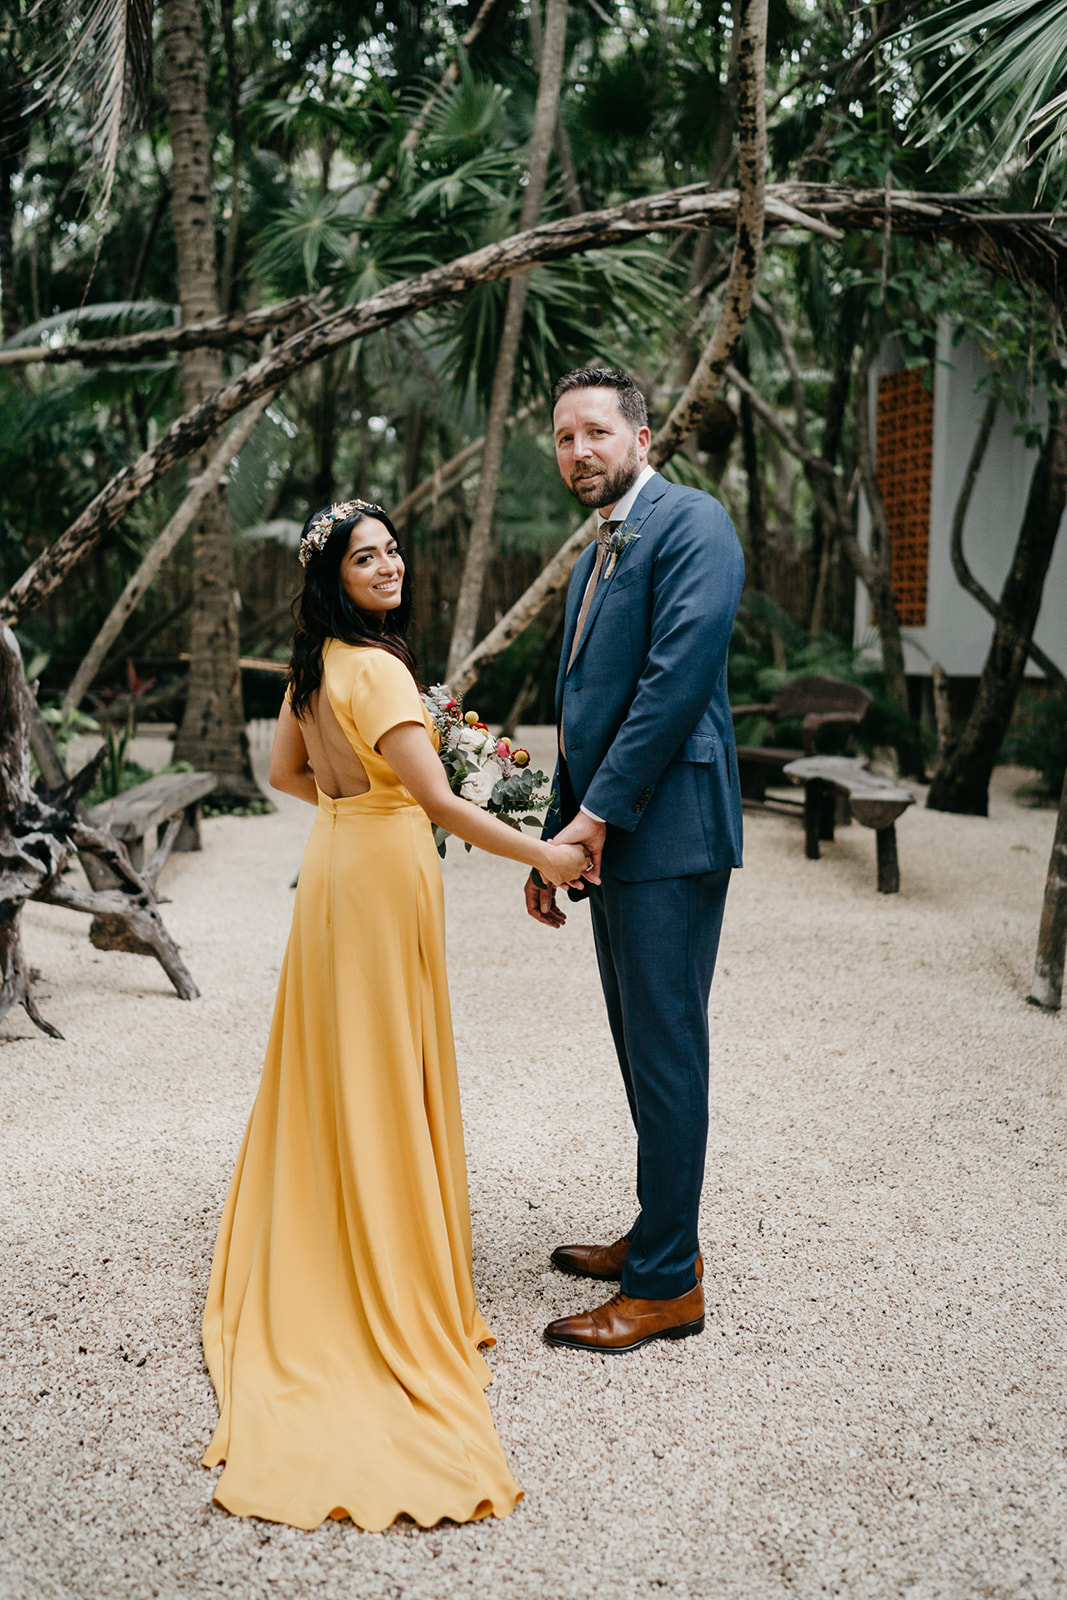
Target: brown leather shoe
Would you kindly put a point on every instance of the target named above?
(600, 1260)
(592, 1260)
(627, 1323)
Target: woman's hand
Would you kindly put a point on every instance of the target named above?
(564, 863)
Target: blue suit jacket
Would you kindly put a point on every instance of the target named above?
(646, 719)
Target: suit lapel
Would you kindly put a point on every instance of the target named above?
(643, 507)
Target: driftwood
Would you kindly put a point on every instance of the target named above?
(1009, 244)
(40, 829)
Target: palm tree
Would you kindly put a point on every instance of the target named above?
(212, 735)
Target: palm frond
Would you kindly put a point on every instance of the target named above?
(104, 57)
(1006, 72)
(303, 243)
(107, 316)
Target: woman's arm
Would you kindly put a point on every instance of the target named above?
(290, 770)
(415, 762)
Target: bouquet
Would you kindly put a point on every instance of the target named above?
(484, 770)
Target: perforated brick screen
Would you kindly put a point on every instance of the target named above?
(905, 450)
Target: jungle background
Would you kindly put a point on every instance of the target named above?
(252, 166)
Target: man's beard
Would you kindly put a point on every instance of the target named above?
(615, 483)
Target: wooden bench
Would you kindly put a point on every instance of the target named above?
(814, 702)
(173, 798)
(875, 802)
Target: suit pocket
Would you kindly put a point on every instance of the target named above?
(625, 578)
(702, 748)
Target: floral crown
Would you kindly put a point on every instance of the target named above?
(323, 525)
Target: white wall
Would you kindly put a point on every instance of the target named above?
(958, 631)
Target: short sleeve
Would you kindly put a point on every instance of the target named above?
(384, 694)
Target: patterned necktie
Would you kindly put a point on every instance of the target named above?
(603, 535)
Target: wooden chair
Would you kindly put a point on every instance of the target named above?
(814, 702)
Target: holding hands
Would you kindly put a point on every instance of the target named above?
(582, 840)
(564, 863)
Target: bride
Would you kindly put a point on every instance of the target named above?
(341, 1330)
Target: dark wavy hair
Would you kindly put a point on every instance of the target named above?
(322, 610)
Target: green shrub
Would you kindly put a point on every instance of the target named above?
(1038, 739)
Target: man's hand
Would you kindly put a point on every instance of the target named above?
(541, 904)
(585, 830)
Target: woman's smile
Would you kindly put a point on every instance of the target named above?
(372, 570)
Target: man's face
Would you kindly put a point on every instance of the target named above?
(599, 453)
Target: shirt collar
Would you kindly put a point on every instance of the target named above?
(626, 504)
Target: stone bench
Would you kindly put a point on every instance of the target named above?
(875, 802)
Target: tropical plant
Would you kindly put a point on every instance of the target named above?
(1003, 76)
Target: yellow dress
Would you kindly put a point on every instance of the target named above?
(340, 1330)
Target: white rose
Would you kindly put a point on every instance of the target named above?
(473, 739)
(478, 786)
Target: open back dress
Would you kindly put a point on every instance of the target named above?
(341, 1330)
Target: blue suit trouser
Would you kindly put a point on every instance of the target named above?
(656, 945)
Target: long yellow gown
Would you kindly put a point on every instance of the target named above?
(341, 1330)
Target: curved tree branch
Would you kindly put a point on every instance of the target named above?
(700, 390)
(965, 577)
(748, 239)
(158, 552)
(1019, 249)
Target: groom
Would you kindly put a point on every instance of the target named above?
(647, 779)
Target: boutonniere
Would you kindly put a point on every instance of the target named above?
(616, 542)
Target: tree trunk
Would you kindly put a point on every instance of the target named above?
(212, 735)
(572, 192)
(546, 116)
(325, 444)
(233, 105)
(741, 283)
(964, 575)
(876, 570)
(961, 782)
(1047, 987)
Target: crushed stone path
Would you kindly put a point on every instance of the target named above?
(878, 1406)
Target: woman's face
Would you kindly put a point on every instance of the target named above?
(372, 573)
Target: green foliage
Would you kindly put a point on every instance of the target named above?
(1038, 739)
(1003, 68)
(303, 245)
(64, 729)
(325, 96)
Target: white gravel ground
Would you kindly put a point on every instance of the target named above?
(877, 1407)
